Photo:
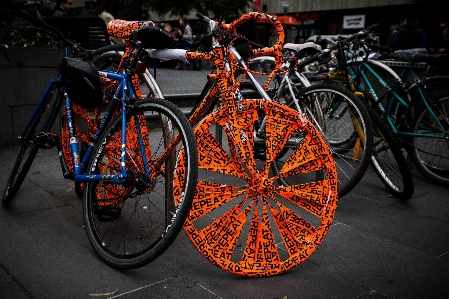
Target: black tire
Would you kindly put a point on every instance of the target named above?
(126, 227)
(431, 154)
(351, 161)
(107, 61)
(388, 160)
(437, 85)
(29, 147)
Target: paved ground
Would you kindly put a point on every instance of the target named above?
(377, 247)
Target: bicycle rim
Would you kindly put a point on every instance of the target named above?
(388, 160)
(239, 209)
(430, 153)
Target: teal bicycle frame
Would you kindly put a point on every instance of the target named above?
(365, 68)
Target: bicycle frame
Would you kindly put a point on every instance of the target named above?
(125, 89)
(366, 69)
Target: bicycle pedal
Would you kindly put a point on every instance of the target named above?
(46, 140)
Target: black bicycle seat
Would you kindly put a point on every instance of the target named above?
(153, 37)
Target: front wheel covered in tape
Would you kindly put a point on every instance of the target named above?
(241, 219)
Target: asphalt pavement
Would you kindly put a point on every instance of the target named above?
(377, 247)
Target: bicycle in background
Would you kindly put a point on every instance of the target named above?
(339, 115)
(416, 113)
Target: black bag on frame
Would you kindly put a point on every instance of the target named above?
(81, 82)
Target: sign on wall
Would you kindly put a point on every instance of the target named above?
(354, 22)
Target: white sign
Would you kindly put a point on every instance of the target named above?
(354, 22)
(285, 3)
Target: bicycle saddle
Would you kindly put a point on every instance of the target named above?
(305, 46)
(302, 50)
(408, 54)
(144, 31)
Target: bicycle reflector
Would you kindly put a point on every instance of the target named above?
(81, 82)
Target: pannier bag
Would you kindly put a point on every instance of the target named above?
(81, 82)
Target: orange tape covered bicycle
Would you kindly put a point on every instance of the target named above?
(241, 219)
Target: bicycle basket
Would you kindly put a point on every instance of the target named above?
(81, 82)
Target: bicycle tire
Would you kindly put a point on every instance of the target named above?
(351, 158)
(388, 160)
(436, 86)
(107, 61)
(239, 209)
(29, 147)
(431, 155)
(129, 225)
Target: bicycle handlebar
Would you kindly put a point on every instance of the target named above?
(276, 49)
(25, 15)
(353, 36)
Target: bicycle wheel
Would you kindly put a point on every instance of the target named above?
(388, 160)
(347, 129)
(436, 86)
(107, 61)
(34, 138)
(430, 150)
(131, 224)
(241, 220)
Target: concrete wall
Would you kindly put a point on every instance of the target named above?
(24, 74)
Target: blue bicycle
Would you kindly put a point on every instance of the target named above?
(129, 167)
